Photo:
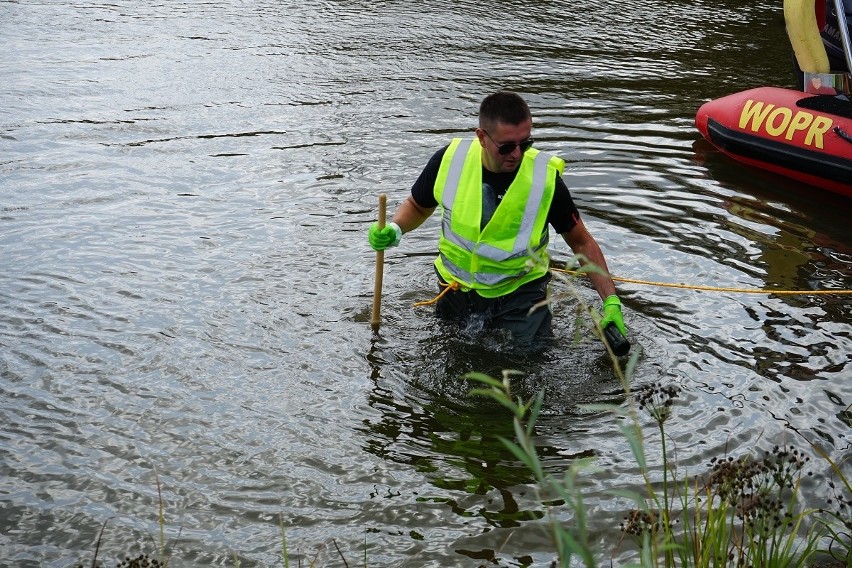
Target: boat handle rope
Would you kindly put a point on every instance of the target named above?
(839, 132)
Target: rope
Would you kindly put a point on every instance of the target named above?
(714, 288)
(447, 287)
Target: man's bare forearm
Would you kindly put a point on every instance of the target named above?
(409, 215)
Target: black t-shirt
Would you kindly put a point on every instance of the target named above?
(563, 214)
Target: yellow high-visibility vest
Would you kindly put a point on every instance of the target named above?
(496, 259)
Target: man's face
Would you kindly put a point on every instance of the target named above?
(499, 135)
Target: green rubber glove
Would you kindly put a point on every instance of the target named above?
(389, 236)
(612, 314)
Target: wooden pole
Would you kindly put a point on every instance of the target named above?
(376, 319)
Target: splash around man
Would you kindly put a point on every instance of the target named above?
(498, 197)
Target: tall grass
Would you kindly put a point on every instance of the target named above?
(743, 512)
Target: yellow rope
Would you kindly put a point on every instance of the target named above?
(714, 288)
(447, 287)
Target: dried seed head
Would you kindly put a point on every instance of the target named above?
(657, 400)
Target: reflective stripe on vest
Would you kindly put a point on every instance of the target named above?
(523, 240)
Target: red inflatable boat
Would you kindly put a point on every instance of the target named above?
(802, 136)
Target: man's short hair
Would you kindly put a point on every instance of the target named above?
(503, 106)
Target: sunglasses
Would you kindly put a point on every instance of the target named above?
(509, 147)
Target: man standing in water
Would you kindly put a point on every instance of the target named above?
(497, 196)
